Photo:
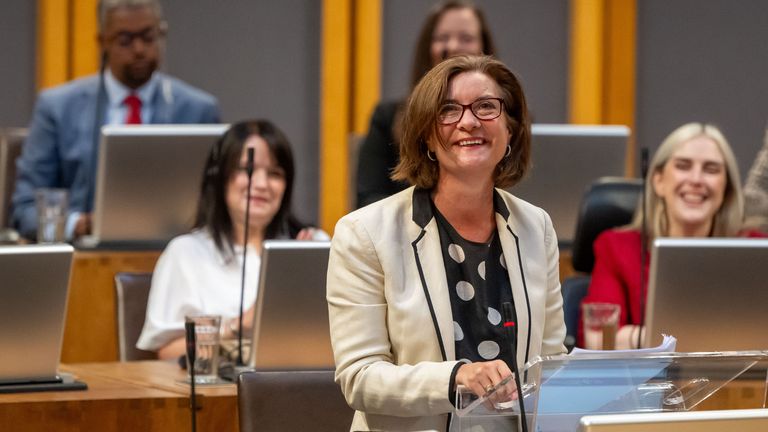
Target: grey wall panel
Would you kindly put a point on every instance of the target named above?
(261, 59)
(17, 68)
(531, 37)
(703, 60)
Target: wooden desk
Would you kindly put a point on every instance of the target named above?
(140, 396)
(90, 333)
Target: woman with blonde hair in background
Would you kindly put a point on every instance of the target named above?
(694, 190)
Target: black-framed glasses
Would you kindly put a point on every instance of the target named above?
(149, 36)
(483, 109)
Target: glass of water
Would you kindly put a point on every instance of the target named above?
(51, 214)
(206, 348)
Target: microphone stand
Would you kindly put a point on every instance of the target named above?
(189, 327)
(509, 327)
(249, 171)
(643, 239)
(98, 119)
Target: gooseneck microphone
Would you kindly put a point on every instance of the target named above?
(249, 171)
(643, 239)
(98, 120)
(511, 332)
(189, 327)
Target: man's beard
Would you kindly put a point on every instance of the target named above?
(135, 78)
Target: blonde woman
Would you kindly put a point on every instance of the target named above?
(694, 190)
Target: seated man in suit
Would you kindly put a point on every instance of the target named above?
(61, 148)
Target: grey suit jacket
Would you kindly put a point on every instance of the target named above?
(59, 151)
(390, 311)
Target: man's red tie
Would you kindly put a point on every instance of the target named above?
(134, 109)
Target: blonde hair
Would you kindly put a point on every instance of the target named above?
(420, 122)
(728, 220)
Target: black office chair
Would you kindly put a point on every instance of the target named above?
(291, 401)
(11, 141)
(132, 293)
(608, 203)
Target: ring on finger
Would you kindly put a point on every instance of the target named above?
(489, 388)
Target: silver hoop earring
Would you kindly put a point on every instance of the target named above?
(509, 151)
(430, 157)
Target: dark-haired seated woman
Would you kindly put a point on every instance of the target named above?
(199, 272)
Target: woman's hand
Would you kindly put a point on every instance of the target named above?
(229, 327)
(306, 234)
(82, 225)
(627, 337)
(481, 377)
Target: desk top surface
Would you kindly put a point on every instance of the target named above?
(125, 380)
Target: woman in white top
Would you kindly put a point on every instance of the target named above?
(199, 273)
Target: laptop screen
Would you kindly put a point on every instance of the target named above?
(35, 279)
(566, 159)
(291, 329)
(148, 181)
(710, 293)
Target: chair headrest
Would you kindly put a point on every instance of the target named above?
(608, 203)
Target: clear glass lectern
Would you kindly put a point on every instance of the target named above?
(559, 390)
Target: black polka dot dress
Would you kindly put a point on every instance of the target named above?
(478, 285)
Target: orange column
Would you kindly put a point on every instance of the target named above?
(602, 64)
(53, 29)
(351, 65)
(335, 115)
(66, 40)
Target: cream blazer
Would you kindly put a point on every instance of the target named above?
(390, 311)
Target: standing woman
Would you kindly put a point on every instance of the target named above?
(452, 28)
(694, 191)
(199, 272)
(416, 282)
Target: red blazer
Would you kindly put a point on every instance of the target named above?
(616, 275)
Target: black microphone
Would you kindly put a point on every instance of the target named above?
(444, 54)
(511, 332)
(249, 171)
(643, 239)
(189, 327)
(98, 120)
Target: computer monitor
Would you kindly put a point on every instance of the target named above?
(710, 293)
(148, 182)
(747, 420)
(566, 159)
(33, 305)
(290, 329)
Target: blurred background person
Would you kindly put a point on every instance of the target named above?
(694, 191)
(756, 190)
(199, 273)
(424, 273)
(453, 27)
(60, 151)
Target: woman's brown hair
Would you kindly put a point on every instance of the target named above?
(420, 122)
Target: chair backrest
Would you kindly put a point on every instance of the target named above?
(291, 401)
(11, 140)
(608, 203)
(132, 293)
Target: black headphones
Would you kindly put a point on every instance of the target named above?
(212, 164)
